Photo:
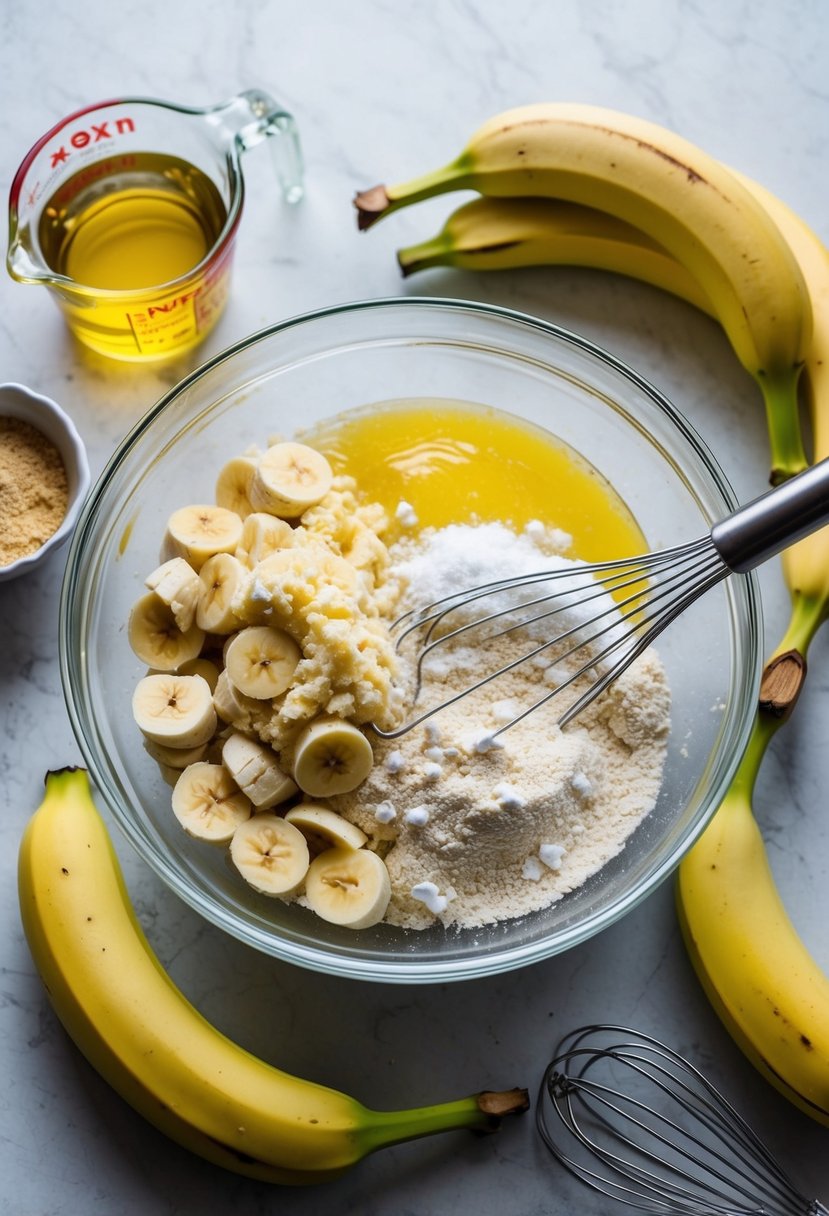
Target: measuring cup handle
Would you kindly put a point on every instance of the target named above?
(254, 116)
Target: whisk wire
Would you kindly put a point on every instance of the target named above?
(732, 1172)
(667, 1138)
(655, 599)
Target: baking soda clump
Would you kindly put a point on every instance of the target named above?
(515, 818)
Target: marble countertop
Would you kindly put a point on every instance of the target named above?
(382, 91)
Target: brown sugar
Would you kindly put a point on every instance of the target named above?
(34, 491)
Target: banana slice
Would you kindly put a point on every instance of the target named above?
(207, 803)
(174, 710)
(201, 667)
(325, 829)
(177, 585)
(348, 887)
(256, 771)
(261, 661)
(233, 484)
(198, 532)
(331, 756)
(175, 757)
(231, 705)
(219, 579)
(156, 638)
(262, 535)
(289, 478)
(270, 854)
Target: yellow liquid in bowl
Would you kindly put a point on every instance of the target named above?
(460, 464)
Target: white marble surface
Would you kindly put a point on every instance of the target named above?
(384, 90)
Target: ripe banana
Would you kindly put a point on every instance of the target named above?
(325, 829)
(261, 661)
(174, 710)
(769, 991)
(198, 532)
(685, 200)
(156, 638)
(270, 854)
(331, 756)
(349, 887)
(156, 1050)
(288, 479)
(502, 233)
(766, 987)
(208, 804)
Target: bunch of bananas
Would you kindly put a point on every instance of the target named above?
(579, 185)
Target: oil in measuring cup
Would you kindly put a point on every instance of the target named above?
(144, 223)
(135, 242)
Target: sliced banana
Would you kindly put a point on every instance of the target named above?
(270, 854)
(201, 667)
(289, 478)
(198, 532)
(232, 706)
(261, 661)
(255, 769)
(325, 829)
(331, 756)
(175, 757)
(262, 535)
(348, 887)
(174, 710)
(233, 484)
(176, 583)
(208, 804)
(156, 638)
(219, 579)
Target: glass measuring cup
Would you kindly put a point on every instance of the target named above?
(127, 211)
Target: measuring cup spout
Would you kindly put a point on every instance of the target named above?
(252, 116)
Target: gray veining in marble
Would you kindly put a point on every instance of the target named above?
(381, 91)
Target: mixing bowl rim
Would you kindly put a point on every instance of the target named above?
(497, 960)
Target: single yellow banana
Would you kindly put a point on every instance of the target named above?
(503, 233)
(684, 199)
(766, 987)
(139, 1031)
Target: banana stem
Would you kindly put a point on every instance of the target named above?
(783, 419)
(482, 1112)
(426, 254)
(807, 615)
(373, 204)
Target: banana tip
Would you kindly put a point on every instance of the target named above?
(58, 772)
(371, 205)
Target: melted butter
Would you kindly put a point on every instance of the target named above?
(456, 463)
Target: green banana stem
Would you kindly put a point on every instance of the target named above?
(808, 614)
(436, 252)
(780, 394)
(373, 204)
(482, 1112)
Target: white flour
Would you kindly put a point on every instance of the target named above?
(474, 832)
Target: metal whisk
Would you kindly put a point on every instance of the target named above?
(638, 1123)
(612, 611)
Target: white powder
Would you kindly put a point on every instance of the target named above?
(514, 820)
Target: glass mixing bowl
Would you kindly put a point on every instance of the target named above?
(307, 369)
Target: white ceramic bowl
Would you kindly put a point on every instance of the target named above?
(17, 401)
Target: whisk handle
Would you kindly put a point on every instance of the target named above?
(775, 520)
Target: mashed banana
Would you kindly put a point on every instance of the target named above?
(329, 591)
